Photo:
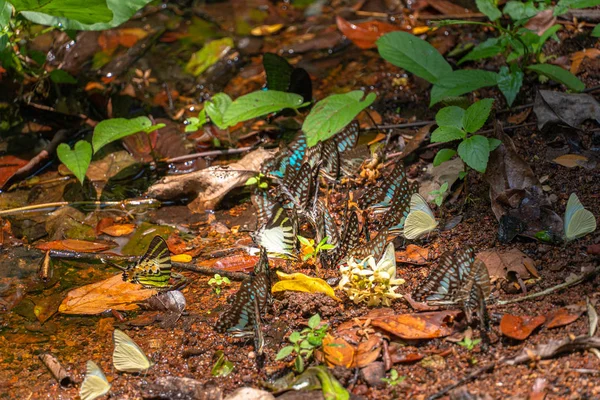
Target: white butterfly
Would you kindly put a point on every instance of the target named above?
(420, 220)
(578, 221)
(95, 384)
(127, 356)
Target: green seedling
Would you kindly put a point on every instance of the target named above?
(469, 343)
(310, 251)
(304, 343)
(394, 378)
(217, 281)
(260, 181)
(438, 195)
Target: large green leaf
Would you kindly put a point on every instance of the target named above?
(475, 152)
(5, 13)
(596, 31)
(333, 113)
(510, 82)
(450, 116)
(216, 108)
(259, 103)
(208, 55)
(93, 15)
(110, 130)
(477, 114)
(414, 55)
(460, 82)
(442, 156)
(76, 160)
(489, 8)
(447, 134)
(490, 48)
(559, 74)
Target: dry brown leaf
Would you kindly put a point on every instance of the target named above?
(338, 352)
(427, 325)
(519, 118)
(364, 34)
(578, 57)
(367, 352)
(80, 246)
(571, 160)
(519, 328)
(413, 255)
(119, 230)
(112, 293)
(541, 22)
(499, 263)
(565, 315)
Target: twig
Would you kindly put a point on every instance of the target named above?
(37, 207)
(209, 154)
(552, 289)
(236, 276)
(56, 369)
(471, 376)
(397, 126)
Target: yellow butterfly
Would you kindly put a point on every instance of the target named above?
(127, 356)
(578, 221)
(420, 220)
(95, 384)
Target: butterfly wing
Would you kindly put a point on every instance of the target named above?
(349, 240)
(373, 248)
(264, 207)
(580, 224)
(95, 383)
(352, 160)
(154, 268)
(278, 236)
(127, 355)
(347, 138)
(418, 223)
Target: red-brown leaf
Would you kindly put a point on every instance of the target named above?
(565, 315)
(365, 34)
(427, 325)
(519, 328)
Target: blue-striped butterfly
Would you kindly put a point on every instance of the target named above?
(373, 248)
(287, 159)
(379, 198)
(399, 208)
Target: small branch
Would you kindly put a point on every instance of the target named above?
(236, 276)
(209, 154)
(397, 126)
(37, 207)
(471, 376)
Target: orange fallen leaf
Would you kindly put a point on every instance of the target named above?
(237, 263)
(378, 138)
(112, 293)
(571, 160)
(367, 352)
(413, 255)
(427, 325)
(8, 166)
(94, 86)
(578, 57)
(81, 246)
(338, 352)
(565, 315)
(118, 230)
(365, 34)
(520, 117)
(519, 328)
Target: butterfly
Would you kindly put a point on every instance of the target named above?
(249, 301)
(420, 220)
(352, 160)
(287, 159)
(153, 270)
(399, 209)
(300, 189)
(264, 207)
(278, 234)
(373, 248)
(578, 221)
(283, 77)
(127, 356)
(330, 152)
(379, 198)
(475, 290)
(95, 383)
(350, 239)
(325, 225)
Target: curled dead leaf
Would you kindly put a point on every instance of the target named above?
(428, 325)
(119, 230)
(571, 160)
(338, 352)
(413, 255)
(81, 246)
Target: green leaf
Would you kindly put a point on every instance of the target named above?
(442, 156)
(259, 103)
(278, 71)
(327, 246)
(490, 48)
(110, 130)
(596, 31)
(414, 55)
(462, 174)
(314, 321)
(447, 134)
(460, 82)
(559, 74)
(76, 160)
(299, 364)
(489, 8)
(518, 10)
(509, 83)
(283, 353)
(476, 115)
(333, 113)
(5, 14)
(193, 123)
(208, 55)
(475, 152)
(96, 15)
(450, 116)
(222, 366)
(494, 143)
(60, 76)
(295, 337)
(216, 108)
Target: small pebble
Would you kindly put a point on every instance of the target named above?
(252, 355)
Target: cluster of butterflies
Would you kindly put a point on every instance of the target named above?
(127, 357)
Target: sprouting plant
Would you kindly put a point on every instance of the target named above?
(394, 378)
(221, 367)
(260, 181)
(305, 342)
(370, 282)
(438, 195)
(469, 343)
(217, 282)
(308, 247)
(455, 123)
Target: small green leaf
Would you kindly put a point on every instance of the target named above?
(460, 82)
(475, 152)
(259, 103)
(596, 31)
(305, 345)
(327, 246)
(76, 160)
(462, 174)
(414, 55)
(208, 55)
(489, 8)
(226, 280)
(304, 240)
(216, 108)
(251, 181)
(333, 113)
(446, 134)
(60, 76)
(295, 337)
(490, 48)
(450, 116)
(109, 130)
(510, 82)
(193, 123)
(299, 364)
(477, 114)
(284, 352)
(560, 75)
(314, 321)
(442, 156)
(5, 14)
(494, 143)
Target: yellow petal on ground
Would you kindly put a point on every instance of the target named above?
(301, 283)
(112, 293)
(184, 258)
(266, 30)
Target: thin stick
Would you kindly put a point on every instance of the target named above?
(471, 376)
(394, 126)
(552, 289)
(37, 207)
(209, 154)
